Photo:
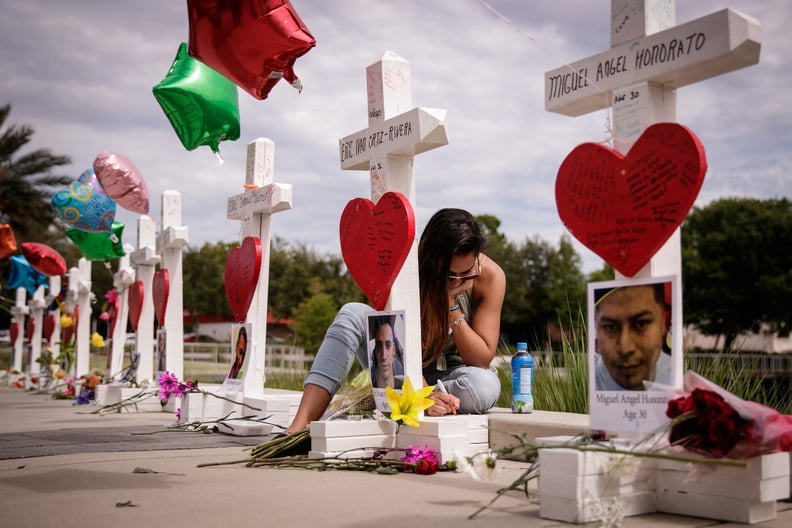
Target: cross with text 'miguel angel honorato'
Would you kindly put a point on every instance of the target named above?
(638, 76)
(254, 208)
(396, 132)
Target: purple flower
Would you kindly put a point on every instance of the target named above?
(84, 398)
(414, 454)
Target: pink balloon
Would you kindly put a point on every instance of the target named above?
(122, 181)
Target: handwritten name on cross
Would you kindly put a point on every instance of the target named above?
(145, 259)
(387, 149)
(171, 240)
(254, 209)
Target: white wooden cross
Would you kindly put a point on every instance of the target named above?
(395, 133)
(122, 280)
(254, 209)
(37, 306)
(145, 258)
(171, 240)
(19, 313)
(638, 76)
(54, 291)
(78, 300)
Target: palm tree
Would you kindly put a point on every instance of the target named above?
(27, 184)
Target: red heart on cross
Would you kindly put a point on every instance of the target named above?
(375, 242)
(13, 332)
(624, 208)
(242, 270)
(159, 293)
(30, 328)
(49, 326)
(135, 303)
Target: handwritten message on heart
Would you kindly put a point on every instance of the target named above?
(375, 242)
(159, 293)
(242, 270)
(135, 303)
(624, 208)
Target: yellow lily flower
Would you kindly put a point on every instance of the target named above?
(97, 340)
(409, 404)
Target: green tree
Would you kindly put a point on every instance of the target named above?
(311, 319)
(27, 184)
(26, 189)
(298, 272)
(737, 266)
(204, 271)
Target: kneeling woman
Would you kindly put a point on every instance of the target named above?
(461, 296)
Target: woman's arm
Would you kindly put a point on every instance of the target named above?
(478, 343)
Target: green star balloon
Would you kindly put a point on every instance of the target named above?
(99, 246)
(201, 104)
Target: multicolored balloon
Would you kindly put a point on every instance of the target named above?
(99, 246)
(84, 205)
(23, 275)
(201, 104)
(122, 181)
(44, 259)
(252, 42)
(8, 245)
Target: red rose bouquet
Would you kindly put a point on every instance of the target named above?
(712, 422)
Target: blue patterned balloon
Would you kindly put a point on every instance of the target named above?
(85, 206)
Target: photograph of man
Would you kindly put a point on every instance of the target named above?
(632, 323)
(240, 348)
(386, 361)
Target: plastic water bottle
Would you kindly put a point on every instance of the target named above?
(522, 380)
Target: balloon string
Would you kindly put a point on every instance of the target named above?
(609, 130)
(220, 159)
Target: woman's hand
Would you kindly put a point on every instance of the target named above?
(443, 404)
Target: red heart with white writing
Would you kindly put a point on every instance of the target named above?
(49, 326)
(624, 208)
(242, 270)
(135, 303)
(159, 293)
(375, 242)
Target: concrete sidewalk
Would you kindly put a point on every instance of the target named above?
(62, 467)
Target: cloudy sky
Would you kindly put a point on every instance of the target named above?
(81, 73)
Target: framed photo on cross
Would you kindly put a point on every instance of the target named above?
(631, 355)
(385, 335)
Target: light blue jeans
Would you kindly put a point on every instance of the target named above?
(477, 389)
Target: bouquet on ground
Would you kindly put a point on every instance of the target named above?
(712, 422)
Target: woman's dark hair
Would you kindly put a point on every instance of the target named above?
(450, 232)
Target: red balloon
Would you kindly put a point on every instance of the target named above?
(252, 42)
(8, 245)
(44, 259)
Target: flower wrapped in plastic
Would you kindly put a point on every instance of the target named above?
(713, 422)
